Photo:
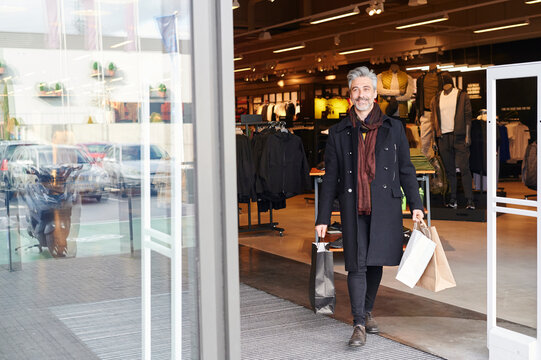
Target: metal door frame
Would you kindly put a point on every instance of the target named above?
(216, 204)
(503, 343)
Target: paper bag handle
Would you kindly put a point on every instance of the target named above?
(421, 226)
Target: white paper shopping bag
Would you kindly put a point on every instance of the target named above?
(418, 253)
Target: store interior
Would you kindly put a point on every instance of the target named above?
(291, 62)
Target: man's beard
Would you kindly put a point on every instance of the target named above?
(361, 107)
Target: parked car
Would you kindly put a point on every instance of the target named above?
(123, 164)
(7, 148)
(91, 181)
(96, 150)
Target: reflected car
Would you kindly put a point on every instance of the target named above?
(7, 148)
(91, 181)
(96, 150)
(123, 164)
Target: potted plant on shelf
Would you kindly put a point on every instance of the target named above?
(162, 89)
(111, 69)
(43, 88)
(95, 68)
(58, 89)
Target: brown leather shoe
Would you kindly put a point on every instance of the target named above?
(359, 336)
(371, 324)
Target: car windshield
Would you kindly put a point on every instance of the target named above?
(63, 156)
(96, 148)
(132, 153)
(11, 149)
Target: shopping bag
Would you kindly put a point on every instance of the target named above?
(321, 288)
(418, 253)
(437, 275)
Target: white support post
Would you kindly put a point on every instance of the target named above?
(505, 344)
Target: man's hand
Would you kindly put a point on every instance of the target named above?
(418, 215)
(321, 230)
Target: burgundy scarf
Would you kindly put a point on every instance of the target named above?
(366, 159)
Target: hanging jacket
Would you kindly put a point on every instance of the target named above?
(283, 168)
(245, 170)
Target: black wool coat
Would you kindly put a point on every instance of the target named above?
(393, 170)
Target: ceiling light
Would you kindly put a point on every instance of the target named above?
(281, 83)
(532, 2)
(420, 41)
(265, 35)
(330, 77)
(237, 58)
(443, 18)
(297, 47)
(236, 4)
(347, 52)
(243, 69)
(423, 68)
(445, 66)
(337, 40)
(355, 11)
(379, 8)
(527, 22)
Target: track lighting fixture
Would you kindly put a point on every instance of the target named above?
(375, 7)
(236, 4)
(337, 40)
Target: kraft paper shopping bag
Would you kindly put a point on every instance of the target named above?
(438, 275)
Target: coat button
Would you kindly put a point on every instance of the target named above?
(350, 190)
(350, 153)
(384, 186)
(349, 132)
(351, 172)
(386, 148)
(385, 168)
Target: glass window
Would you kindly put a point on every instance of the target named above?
(80, 77)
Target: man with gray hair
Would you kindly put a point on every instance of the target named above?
(367, 160)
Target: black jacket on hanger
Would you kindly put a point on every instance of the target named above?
(245, 170)
(283, 168)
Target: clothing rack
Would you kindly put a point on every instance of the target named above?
(259, 227)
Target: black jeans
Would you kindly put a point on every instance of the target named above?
(363, 287)
(363, 284)
(455, 153)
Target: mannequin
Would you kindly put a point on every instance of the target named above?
(451, 119)
(395, 83)
(428, 85)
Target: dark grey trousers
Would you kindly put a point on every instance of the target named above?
(363, 284)
(455, 153)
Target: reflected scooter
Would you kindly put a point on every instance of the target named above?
(50, 200)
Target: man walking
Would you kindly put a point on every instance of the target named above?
(366, 162)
